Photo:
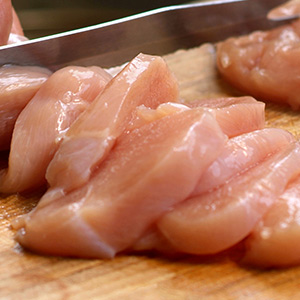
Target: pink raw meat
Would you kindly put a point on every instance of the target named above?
(6, 20)
(16, 35)
(229, 112)
(274, 242)
(17, 86)
(145, 80)
(289, 9)
(148, 171)
(265, 64)
(217, 220)
(43, 122)
(235, 115)
(240, 154)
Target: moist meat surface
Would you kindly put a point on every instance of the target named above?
(264, 64)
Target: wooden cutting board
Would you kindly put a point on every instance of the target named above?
(28, 276)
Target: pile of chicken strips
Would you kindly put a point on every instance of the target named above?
(128, 165)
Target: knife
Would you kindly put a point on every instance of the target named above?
(156, 32)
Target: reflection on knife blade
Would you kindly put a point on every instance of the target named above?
(157, 32)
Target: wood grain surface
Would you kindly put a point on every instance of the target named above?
(29, 276)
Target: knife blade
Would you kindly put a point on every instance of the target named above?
(156, 32)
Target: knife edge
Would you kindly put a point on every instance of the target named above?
(156, 32)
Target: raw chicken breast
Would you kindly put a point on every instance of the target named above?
(6, 20)
(15, 38)
(145, 80)
(240, 154)
(288, 9)
(153, 239)
(265, 65)
(16, 35)
(149, 170)
(235, 115)
(144, 115)
(274, 242)
(16, 27)
(217, 220)
(17, 86)
(44, 121)
(229, 112)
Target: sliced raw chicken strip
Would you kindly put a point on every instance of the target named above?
(240, 154)
(217, 220)
(229, 112)
(44, 121)
(149, 170)
(17, 86)
(288, 9)
(145, 80)
(265, 65)
(6, 20)
(16, 27)
(15, 38)
(144, 115)
(235, 115)
(153, 239)
(16, 35)
(274, 242)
